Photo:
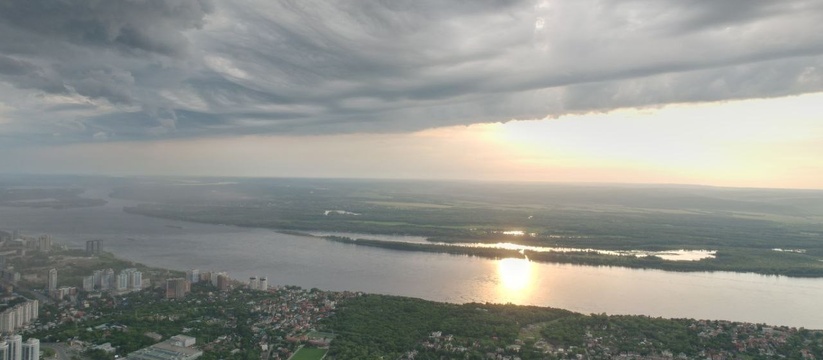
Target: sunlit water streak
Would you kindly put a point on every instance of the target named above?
(515, 283)
(672, 255)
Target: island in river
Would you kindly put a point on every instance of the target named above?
(772, 232)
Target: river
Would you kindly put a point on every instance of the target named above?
(312, 262)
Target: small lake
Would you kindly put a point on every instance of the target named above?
(313, 262)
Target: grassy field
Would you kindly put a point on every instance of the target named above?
(308, 353)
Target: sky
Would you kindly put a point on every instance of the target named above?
(726, 93)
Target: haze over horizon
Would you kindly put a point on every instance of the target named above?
(712, 93)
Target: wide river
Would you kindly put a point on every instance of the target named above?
(312, 262)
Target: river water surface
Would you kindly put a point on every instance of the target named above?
(313, 262)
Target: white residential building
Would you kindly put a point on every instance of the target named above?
(4, 350)
(123, 281)
(136, 281)
(88, 283)
(52, 279)
(15, 347)
(193, 275)
(31, 349)
(18, 316)
(7, 321)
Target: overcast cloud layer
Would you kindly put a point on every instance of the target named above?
(108, 70)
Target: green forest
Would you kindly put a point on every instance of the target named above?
(376, 326)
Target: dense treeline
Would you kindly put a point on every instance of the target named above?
(617, 230)
(388, 327)
(635, 331)
(46, 197)
(375, 326)
(603, 217)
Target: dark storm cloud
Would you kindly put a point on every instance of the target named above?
(147, 25)
(12, 66)
(111, 84)
(134, 69)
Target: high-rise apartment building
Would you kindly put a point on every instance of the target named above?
(258, 283)
(130, 279)
(88, 283)
(4, 350)
(21, 314)
(52, 279)
(205, 276)
(15, 343)
(31, 349)
(222, 282)
(44, 243)
(136, 280)
(123, 281)
(193, 276)
(35, 309)
(97, 278)
(216, 275)
(109, 279)
(94, 247)
(7, 321)
(19, 317)
(177, 288)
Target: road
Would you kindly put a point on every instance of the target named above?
(59, 349)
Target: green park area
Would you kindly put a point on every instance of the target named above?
(309, 353)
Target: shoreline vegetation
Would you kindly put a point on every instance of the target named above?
(730, 260)
(54, 198)
(742, 226)
(761, 260)
(392, 327)
(763, 231)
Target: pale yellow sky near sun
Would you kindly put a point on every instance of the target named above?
(759, 143)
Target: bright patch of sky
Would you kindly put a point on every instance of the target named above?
(711, 92)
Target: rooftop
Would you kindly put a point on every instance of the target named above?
(165, 351)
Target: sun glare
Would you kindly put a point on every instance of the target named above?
(515, 275)
(743, 142)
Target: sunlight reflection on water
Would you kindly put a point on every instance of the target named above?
(515, 280)
(671, 255)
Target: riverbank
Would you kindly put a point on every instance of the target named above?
(243, 252)
(371, 326)
(729, 260)
(411, 328)
(278, 322)
(75, 264)
(735, 255)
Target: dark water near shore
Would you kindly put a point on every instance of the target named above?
(312, 262)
